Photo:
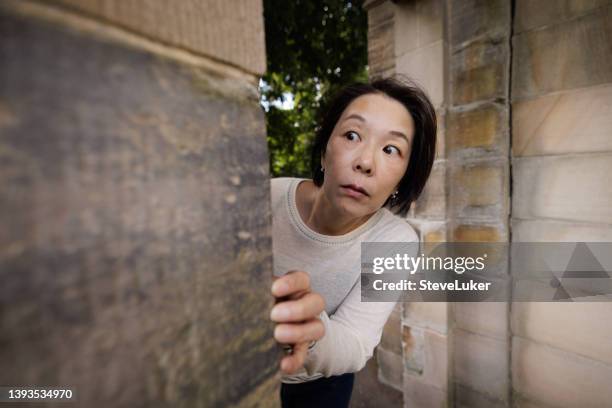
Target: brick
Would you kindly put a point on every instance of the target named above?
(575, 121)
(559, 231)
(426, 315)
(530, 15)
(479, 189)
(563, 56)
(426, 356)
(390, 368)
(481, 363)
(392, 332)
(472, 20)
(231, 31)
(489, 319)
(478, 131)
(562, 187)
(478, 72)
(583, 328)
(558, 378)
(432, 202)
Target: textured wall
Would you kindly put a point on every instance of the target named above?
(135, 242)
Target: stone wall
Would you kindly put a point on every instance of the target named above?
(522, 92)
(134, 202)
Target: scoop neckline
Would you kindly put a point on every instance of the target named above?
(310, 233)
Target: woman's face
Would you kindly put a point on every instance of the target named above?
(369, 148)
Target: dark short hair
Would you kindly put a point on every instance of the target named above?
(423, 150)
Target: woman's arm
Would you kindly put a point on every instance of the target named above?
(351, 334)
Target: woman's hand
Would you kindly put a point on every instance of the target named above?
(297, 314)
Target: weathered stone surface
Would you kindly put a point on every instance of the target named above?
(479, 72)
(427, 315)
(391, 339)
(577, 121)
(381, 45)
(565, 326)
(432, 202)
(534, 14)
(479, 233)
(569, 187)
(575, 54)
(136, 248)
(231, 31)
(390, 368)
(465, 397)
(481, 363)
(489, 318)
(368, 391)
(421, 395)
(473, 19)
(426, 66)
(426, 356)
(558, 378)
(477, 132)
(429, 231)
(559, 231)
(479, 189)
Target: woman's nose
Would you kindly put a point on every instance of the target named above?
(365, 161)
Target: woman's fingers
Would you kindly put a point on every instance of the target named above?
(291, 364)
(299, 333)
(308, 306)
(292, 283)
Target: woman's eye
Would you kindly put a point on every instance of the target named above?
(393, 147)
(349, 133)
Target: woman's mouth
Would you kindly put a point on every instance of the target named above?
(354, 191)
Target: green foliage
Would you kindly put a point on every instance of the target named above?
(313, 48)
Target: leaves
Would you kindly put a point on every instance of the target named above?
(313, 49)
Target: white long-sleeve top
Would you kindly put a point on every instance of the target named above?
(352, 328)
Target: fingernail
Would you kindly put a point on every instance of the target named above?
(279, 313)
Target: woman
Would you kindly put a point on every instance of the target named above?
(370, 160)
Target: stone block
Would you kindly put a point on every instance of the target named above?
(479, 72)
(428, 230)
(430, 15)
(406, 28)
(583, 328)
(432, 202)
(563, 56)
(426, 356)
(559, 231)
(426, 66)
(427, 315)
(392, 332)
(465, 397)
(479, 189)
(530, 14)
(481, 363)
(477, 132)
(116, 166)
(554, 377)
(381, 47)
(576, 121)
(441, 133)
(489, 319)
(231, 31)
(473, 20)
(569, 187)
(418, 394)
(464, 232)
(390, 368)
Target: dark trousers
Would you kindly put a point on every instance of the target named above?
(332, 392)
